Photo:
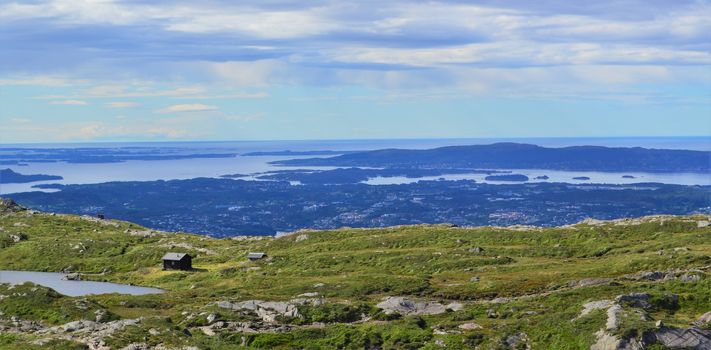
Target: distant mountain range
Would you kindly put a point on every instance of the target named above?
(523, 156)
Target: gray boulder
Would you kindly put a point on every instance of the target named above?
(405, 306)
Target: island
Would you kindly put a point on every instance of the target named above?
(233, 176)
(507, 177)
(542, 177)
(8, 176)
(296, 153)
(509, 155)
(585, 178)
(628, 177)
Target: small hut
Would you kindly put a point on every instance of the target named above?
(177, 261)
(256, 256)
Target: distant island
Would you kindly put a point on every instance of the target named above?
(581, 178)
(356, 175)
(523, 156)
(296, 153)
(16, 156)
(507, 177)
(628, 177)
(542, 177)
(8, 176)
(233, 176)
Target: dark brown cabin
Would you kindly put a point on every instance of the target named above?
(177, 261)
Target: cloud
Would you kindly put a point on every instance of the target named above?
(121, 104)
(41, 81)
(69, 103)
(191, 107)
(192, 51)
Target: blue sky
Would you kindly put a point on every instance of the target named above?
(255, 70)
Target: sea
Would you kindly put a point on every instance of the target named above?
(149, 170)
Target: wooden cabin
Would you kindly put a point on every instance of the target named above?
(256, 256)
(177, 261)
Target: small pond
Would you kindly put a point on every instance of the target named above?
(56, 281)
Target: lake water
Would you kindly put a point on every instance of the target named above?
(55, 281)
(140, 170)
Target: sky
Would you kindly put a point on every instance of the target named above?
(138, 70)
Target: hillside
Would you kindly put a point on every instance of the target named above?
(522, 156)
(426, 286)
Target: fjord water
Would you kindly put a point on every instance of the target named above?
(148, 170)
(57, 282)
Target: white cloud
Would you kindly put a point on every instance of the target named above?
(69, 103)
(190, 107)
(41, 81)
(121, 104)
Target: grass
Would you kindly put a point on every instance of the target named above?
(356, 268)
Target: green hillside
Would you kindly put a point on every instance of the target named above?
(486, 288)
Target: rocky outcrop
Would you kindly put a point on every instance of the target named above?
(594, 305)
(673, 338)
(404, 306)
(268, 311)
(680, 338)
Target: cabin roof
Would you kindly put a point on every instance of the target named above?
(174, 256)
(256, 255)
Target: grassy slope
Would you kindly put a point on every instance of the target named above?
(358, 268)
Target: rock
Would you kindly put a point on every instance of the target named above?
(319, 285)
(267, 310)
(470, 326)
(649, 275)
(500, 300)
(612, 320)
(100, 315)
(607, 341)
(212, 317)
(704, 319)
(635, 300)
(75, 276)
(79, 326)
(475, 279)
(595, 305)
(153, 331)
(136, 346)
(207, 331)
(589, 282)
(680, 338)
(689, 278)
(518, 341)
(476, 250)
(18, 238)
(308, 295)
(491, 313)
(440, 343)
(702, 224)
(301, 237)
(408, 307)
(455, 306)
